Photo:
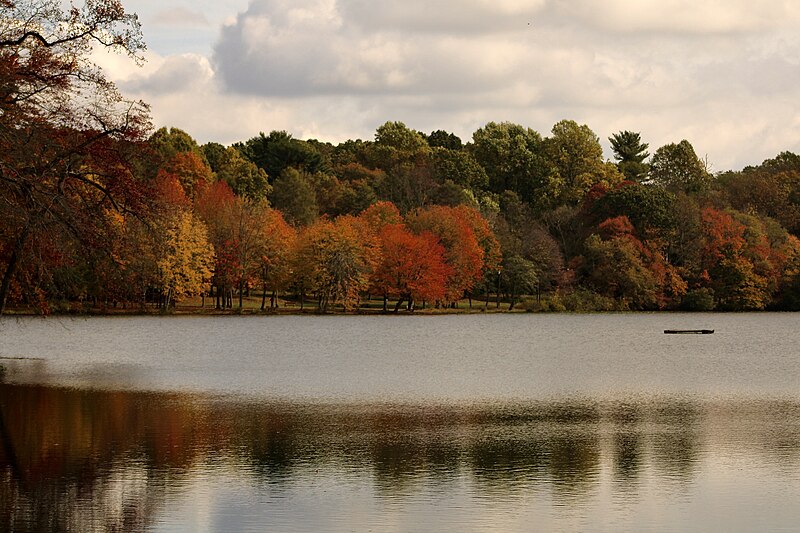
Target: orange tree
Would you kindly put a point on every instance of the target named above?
(335, 260)
(411, 267)
(461, 231)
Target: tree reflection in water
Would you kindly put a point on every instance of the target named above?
(84, 460)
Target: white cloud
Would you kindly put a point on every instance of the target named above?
(721, 74)
(179, 16)
(682, 16)
(174, 74)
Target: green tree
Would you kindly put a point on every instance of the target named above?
(521, 234)
(737, 287)
(575, 152)
(400, 137)
(278, 151)
(443, 139)
(650, 209)
(214, 153)
(243, 176)
(356, 196)
(677, 168)
(460, 167)
(164, 145)
(294, 196)
(405, 157)
(512, 157)
(630, 153)
(518, 277)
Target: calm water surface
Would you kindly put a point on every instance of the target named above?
(452, 423)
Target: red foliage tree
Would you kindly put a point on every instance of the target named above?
(193, 172)
(463, 253)
(62, 127)
(411, 267)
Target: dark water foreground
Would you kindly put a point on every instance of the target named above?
(309, 424)
(79, 460)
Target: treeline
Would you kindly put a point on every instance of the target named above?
(415, 218)
(95, 208)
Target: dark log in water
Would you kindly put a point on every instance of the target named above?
(694, 331)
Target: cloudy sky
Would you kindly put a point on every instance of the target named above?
(724, 74)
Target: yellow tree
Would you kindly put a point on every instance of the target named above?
(335, 259)
(186, 257)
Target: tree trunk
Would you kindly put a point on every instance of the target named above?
(385, 302)
(498, 291)
(273, 300)
(399, 303)
(11, 268)
(264, 298)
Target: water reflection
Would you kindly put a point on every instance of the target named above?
(82, 460)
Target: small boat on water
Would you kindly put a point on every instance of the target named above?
(689, 331)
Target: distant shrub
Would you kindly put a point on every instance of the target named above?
(584, 301)
(698, 300)
(544, 305)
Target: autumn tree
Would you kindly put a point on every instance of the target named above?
(191, 170)
(274, 245)
(732, 274)
(411, 267)
(381, 214)
(215, 206)
(162, 147)
(334, 260)
(770, 193)
(62, 125)
(185, 257)
(464, 254)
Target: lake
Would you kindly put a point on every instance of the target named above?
(463, 423)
